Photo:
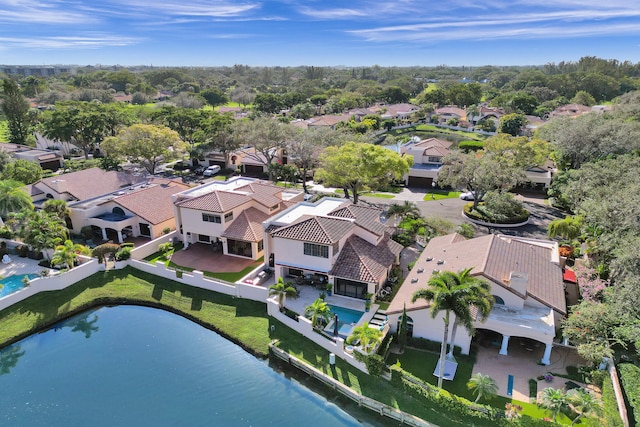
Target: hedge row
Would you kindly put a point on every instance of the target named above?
(630, 378)
(609, 404)
(458, 409)
(474, 214)
(471, 145)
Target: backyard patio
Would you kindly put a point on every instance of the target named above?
(201, 257)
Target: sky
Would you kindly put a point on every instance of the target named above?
(316, 32)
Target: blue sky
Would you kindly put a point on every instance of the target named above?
(316, 32)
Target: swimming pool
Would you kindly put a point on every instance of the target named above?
(347, 320)
(13, 283)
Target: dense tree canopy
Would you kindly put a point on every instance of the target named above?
(359, 166)
(15, 108)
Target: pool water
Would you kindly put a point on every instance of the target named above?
(347, 320)
(13, 283)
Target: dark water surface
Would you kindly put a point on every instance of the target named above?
(137, 366)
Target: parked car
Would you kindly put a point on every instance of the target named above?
(211, 170)
(469, 195)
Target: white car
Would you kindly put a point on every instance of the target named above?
(211, 170)
(469, 195)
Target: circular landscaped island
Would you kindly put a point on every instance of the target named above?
(497, 210)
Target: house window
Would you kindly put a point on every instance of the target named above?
(204, 238)
(211, 218)
(312, 249)
(145, 230)
(260, 245)
(432, 159)
(498, 299)
(228, 217)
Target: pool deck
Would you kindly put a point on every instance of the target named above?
(20, 266)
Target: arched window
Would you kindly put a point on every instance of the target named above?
(409, 325)
(118, 211)
(49, 196)
(498, 300)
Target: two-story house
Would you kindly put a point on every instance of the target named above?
(526, 283)
(427, 161)
(228, 215)
(334, 241)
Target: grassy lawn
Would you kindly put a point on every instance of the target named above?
(287, 184)
(216, 311)
(422, 364)
(373, 387)
(379, 195)
(441, 194)
(430, 131)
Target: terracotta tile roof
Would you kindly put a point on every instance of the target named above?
(316, 229)
(247, 226)
(365, 216)
(89, 183)
(492, 257)
(215, 201)
(362, 261)
(433, 142)
(153, 204)
(264, 193)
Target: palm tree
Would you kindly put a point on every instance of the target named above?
(366, 335)
(483, 385)
(456, 293)
(41, 230)
(406, 209)
(554, 400)
(569, 228)
(282, 290)
(58, 208)
(67, 253)
(13, 198)
(583, 403)
(318, 312)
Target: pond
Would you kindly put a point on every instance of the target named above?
(140, 366)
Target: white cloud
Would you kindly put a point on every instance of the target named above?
(35, 12)
(331, 13)
(67, 42)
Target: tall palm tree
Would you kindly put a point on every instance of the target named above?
(282, 290)
(554, 400)
(483, 385)
(13, 198)
(41, 230)
(583, 403)
(456, 293)
(58, 208)
(366, 335)
(318, 312)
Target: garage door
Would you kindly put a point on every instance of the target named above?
(253, 170)
(417, 181)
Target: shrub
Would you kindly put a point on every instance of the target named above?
(87, 232)
(471, 145)
(498, 208)
(101, 251)
(375, 364)
(128, 245)
(22, 250)
(405, 239)
(609, 404)
(533, 390)
(5, 233)
(630, 379)
(123, 254)
(166, 230)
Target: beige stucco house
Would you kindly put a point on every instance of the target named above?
(228, 215)
(526, 282)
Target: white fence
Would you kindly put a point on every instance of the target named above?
(198, 279)
(141, 252)
(53, 283)
(304, 327)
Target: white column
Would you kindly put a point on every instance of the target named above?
(505, 344)
(119, 236)
(547, 354)
(104, 233)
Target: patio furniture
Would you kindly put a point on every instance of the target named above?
(570, 385)
(6, 259)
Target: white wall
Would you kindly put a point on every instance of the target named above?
(510, 299)
(304, 327)
(147, 249)
(291, 252)
(433, 329)
(53, 283)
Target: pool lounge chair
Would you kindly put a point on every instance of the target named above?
(6, 259)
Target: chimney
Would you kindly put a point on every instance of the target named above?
(518, 282)
(60, 185)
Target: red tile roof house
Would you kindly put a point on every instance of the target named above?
(114, 204)
(336, 241)
(427, 161)
(229, 214)
(526, 282)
